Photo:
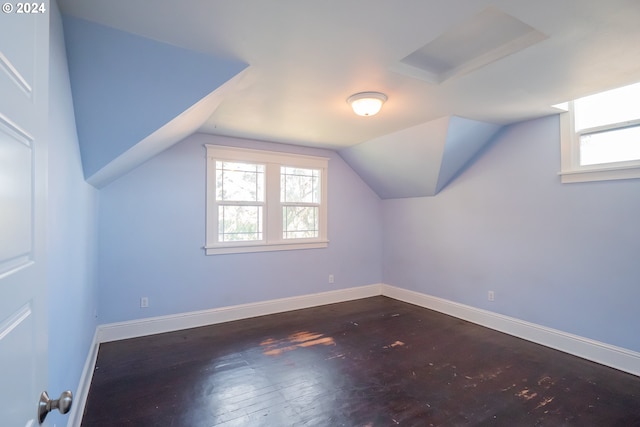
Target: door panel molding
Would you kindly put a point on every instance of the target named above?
(15, 75)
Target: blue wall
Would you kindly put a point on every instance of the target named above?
(559, 255)
(563, 256)
(152, 230)
(125, 87)
(71, 236)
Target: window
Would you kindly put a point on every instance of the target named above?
(264, 201)
(240, 200)
(601, 136)
(300, 200)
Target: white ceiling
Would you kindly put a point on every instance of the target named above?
(307, 57)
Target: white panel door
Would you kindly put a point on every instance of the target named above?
(24, 65)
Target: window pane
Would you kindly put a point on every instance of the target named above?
(617, 145)
(239, 182)
(299, 185)
(299, 222)
(239, 223)
(613, 106)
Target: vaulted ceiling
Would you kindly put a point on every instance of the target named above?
(495, 62)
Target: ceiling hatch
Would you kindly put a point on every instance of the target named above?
(485, 38)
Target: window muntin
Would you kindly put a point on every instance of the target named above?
(261, 200)
(239, 223)
(299, 222)
(600, 136)
(299, 185)
(239, 182)
(240, 199)
(300, 200)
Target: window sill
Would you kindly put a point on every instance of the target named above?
(248, 248)
(600, 174)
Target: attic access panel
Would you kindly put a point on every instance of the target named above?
(485, 38)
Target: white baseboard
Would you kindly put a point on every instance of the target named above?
(605, 354)
(157, 325)
(80, 396)
(194, 319)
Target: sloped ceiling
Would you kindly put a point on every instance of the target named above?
(421, 160)
(134, 97)
(490, 61)
(308, 57)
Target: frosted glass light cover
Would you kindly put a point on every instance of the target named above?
(367, 103)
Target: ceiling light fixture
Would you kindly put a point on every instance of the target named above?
(367, 103)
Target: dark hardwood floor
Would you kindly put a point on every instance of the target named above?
(371, 362)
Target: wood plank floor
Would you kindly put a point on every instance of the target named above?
(371, 362)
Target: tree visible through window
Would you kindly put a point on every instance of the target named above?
(240, 197)
(261, 200)
(300, 199)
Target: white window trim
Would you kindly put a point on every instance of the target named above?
(570, 169)
(272, 224)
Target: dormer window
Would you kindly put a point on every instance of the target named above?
(600, 136)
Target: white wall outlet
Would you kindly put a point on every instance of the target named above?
(491, 296)
(331, 278)
(144, 302)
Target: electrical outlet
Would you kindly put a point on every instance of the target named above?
(331, 279)
(491, 296)
(144, 302)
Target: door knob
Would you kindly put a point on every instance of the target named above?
(46, 405)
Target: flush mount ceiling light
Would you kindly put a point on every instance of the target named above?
(367, 103)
